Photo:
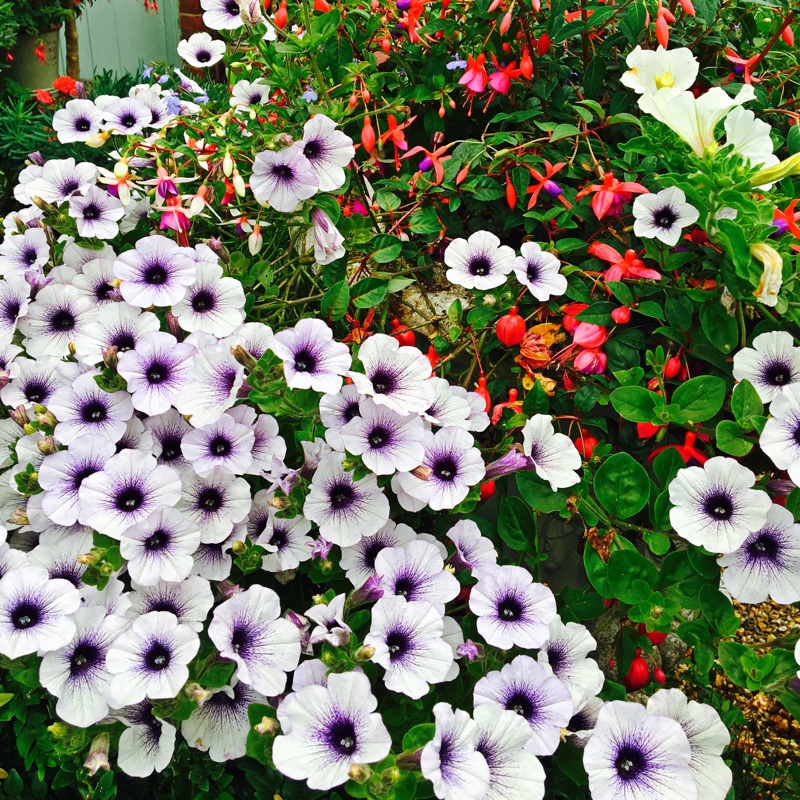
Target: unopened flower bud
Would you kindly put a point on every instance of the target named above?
(389, 777)
(229, 589)
(110, 356)
(284, 140)
(267, 727)
(238, 183)
(278, 501)
(238, 548)
(47, 446)
(364, 653)
(29, 428)
(328, 658)
(43, 416)
(255, 241)
(90, 558)
(98, 754)
(173, 326)
(58, 730)
(470, 650)
(227, 165)
(360, 773)
(194, 691)
(244, 358)
(98, 139)
(19, 516)
(421, 472)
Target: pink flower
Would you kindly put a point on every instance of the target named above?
(587, 335)
(475, 78)
(590, 362)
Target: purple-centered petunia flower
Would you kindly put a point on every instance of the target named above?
(451, 760)
(327, 149)
(451, 465)
(35, 611)
(394, 376)
(225, 444)
(345, 509)
(636, 756)
(156, 272)
(156, 369)
(311, 357)
(149, 659)
(213, 304)
(130, 488)
(126, 115)
(189, 600)
(249, 630)
(61, 475)
(529, 689)
(479, 262)
(386, 441)
(84, 409)
(358, 560)
(283, 179)
(96, 213)
(76, 673)
(474, 551)
(327, 729)
(55, 319)
(215, 502)
(511, 608)
(416, 571)
(78, 121)
(767, 564)
(408, 643)
(147, 744)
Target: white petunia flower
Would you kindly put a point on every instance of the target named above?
(663, 216)
(554, 455)
(479, 262)
(771, 364)
(715, 505)
(651, 70)
(539, 272)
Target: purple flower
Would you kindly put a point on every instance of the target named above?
(283, 179)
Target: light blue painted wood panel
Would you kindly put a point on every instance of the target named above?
(120, 35)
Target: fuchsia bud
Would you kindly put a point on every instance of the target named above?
(591, 362)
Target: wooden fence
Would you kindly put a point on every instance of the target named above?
(120, 35)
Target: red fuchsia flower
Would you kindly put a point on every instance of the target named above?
(587, 335)
(687, 451)
(627, 266)
(610, 195)
(745, 64)
(411, 18)
(787, 219)
(500, 81)
(590, 362)
(436, 157)
(663, 18)
(568, 321)
(394, 133)
(545, 182)
(526, 64)
(176, 218)
(475, 78)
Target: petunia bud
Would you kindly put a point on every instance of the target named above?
(267, 727)
(98, 754)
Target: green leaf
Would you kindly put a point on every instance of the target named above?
(514, 521)
(564, 130)
(635, 403)
(730, 440)
(793, 503)
(720, 328)
(218, 675)
(419, 736)
(621, 292)
(622, 486)
(597, 313)
(730, 656)
(632, 21)
(335, 301)
(678, 315)
(700, 398)
(666, 465)
(631, 576)
(536, 401)
(593, 80)
(538, 494)
(424, 220)
(718, 610)
(387, 248)
(745, 401)
(657, 542)
(368, 292)
(579, 605)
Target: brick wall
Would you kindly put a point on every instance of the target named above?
(190, 17)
